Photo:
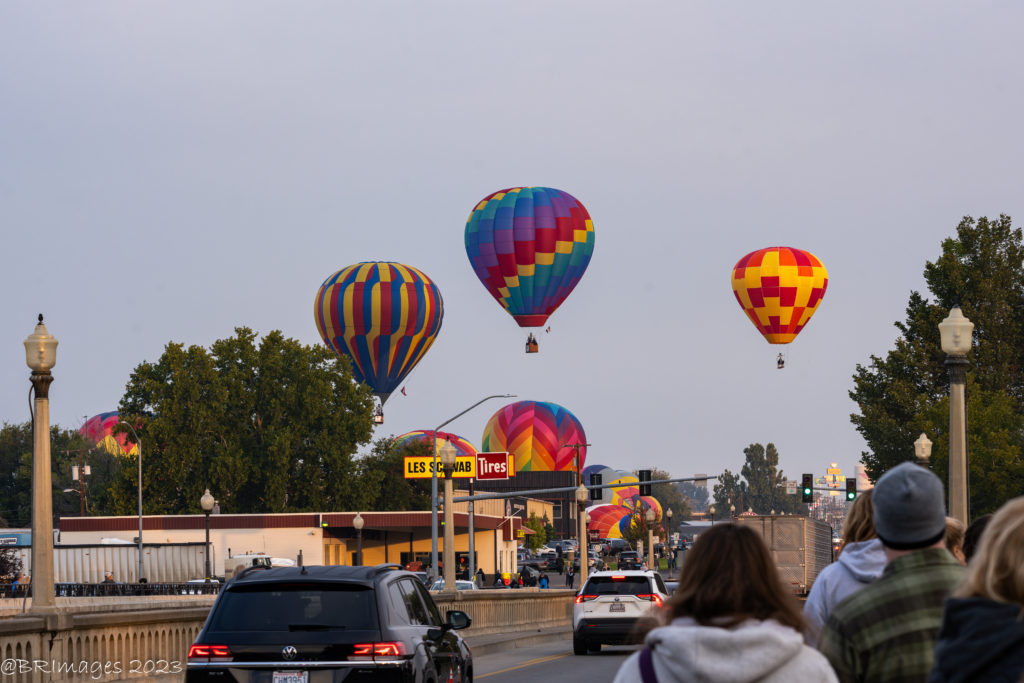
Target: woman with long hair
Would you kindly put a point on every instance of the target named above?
(731, 619)
(861, 561)
(982, 635)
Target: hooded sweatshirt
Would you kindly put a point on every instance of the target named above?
(751, 651)
(980, 640)
(859, 564)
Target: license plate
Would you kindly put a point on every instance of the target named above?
(617, 607)
(291, 677)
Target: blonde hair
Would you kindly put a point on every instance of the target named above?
(996, 571)
(860, 520)
(954, 534)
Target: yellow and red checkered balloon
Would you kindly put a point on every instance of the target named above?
(779, 288)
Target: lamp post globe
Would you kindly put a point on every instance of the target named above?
(41, 356)
(206, 502)
(712, 511)
(923, 449)
(357, 524)
(955, 334)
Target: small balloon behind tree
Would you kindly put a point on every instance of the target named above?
(779, 288)
(542, 435)
(463, 448)
(382, 316)
(529, 246)
(99, 429)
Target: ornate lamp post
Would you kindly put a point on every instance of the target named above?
(923, 449)
(712, 511)
(357, 524)
(207, 502)
(650, 515)
(40, 356)
(582, 495)
(448, 456)
(139, 442)
(732, 510)
(955, 332)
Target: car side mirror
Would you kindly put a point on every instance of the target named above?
(458, 620)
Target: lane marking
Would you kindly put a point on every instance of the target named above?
(532, 662)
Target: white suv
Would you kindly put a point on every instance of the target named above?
(610, 604)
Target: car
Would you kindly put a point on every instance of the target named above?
(613, 546)
(302, 624)
(610, 606)
(460, 585)
(630, 559)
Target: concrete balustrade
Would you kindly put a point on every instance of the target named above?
(148, 637)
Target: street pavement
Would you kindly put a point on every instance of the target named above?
(550, 659)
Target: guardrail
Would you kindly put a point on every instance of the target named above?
(97, 590)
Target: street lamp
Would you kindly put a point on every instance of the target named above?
(923, 449)
(40, 356)
(712, 511)
(139, 442)
(448, 456)
(206, 502)
(955, 333)
(650, 515)
(357, 524)
(582, 494)
(433, 479)
(732, 510)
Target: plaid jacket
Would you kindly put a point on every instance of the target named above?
(887, 630)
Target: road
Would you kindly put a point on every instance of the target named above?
(553, 661)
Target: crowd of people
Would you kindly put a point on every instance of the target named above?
(914, 596)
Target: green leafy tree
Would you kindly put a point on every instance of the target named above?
(268, 425)
(382, 482)
(669, 495)
(10, 565)
(539, 537)
(765, 481)
(730, 490)
(905, 392)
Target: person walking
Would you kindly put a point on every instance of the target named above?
(729, 620)
(480, 577)
(861, 561)
(982, 634)
(570, 575)
(886, 631)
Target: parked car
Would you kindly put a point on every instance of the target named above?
(610, 605)
(460, 585)
(337, 622)
(613, 546)
(630, 559)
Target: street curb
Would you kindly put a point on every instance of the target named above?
(500, 642)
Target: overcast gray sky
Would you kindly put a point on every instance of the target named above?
(172, 170)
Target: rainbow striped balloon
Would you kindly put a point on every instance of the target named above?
(529, 246)
(99, 429)
(383, 316)
(538, 433)
(462, 446)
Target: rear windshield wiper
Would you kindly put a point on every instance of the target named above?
(312, 627)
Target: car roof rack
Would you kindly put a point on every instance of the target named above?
(385, 567)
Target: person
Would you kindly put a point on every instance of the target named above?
(498, 581)
(955, 539)
(972, 537)
(886, 631)
(108, 577)
(861, 561)
(543, 580)
(982, 635)
(570, 575)
(731, 619)
(480, 577)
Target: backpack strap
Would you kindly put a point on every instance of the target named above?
(647, 666)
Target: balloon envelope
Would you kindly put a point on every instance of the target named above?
(538, 434)
(779, 288)
(383, 316)
(529, 246)
(462, 446)
(98, 429)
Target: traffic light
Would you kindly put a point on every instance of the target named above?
(807, 490)
(645, 482)
(595, 494)
(851, 488)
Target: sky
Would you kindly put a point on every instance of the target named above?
(170, 171)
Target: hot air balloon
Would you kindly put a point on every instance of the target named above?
(779, 288)
(609, 521)
(99, 429)
(529, 246)
(538, 434)
(381, 315)
(462, 446)
(615, 496)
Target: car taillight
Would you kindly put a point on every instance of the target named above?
(209, 653)
(619, 577)
(584, 598)
(371, 651)
(653, 597)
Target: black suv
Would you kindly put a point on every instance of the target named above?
(308, 624)
(630, 559)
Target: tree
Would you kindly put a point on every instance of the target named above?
(539, 537)
(730, 490)
(905, 393)
(271, 426)
(765, 490)
(669, 495)
(382, 482)
(10, 565)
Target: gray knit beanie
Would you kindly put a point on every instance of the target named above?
(910, 510)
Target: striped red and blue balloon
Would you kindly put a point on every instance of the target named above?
(529, 246)
(99, 429)
(462, 446)
(539, 434)
(383, 316)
